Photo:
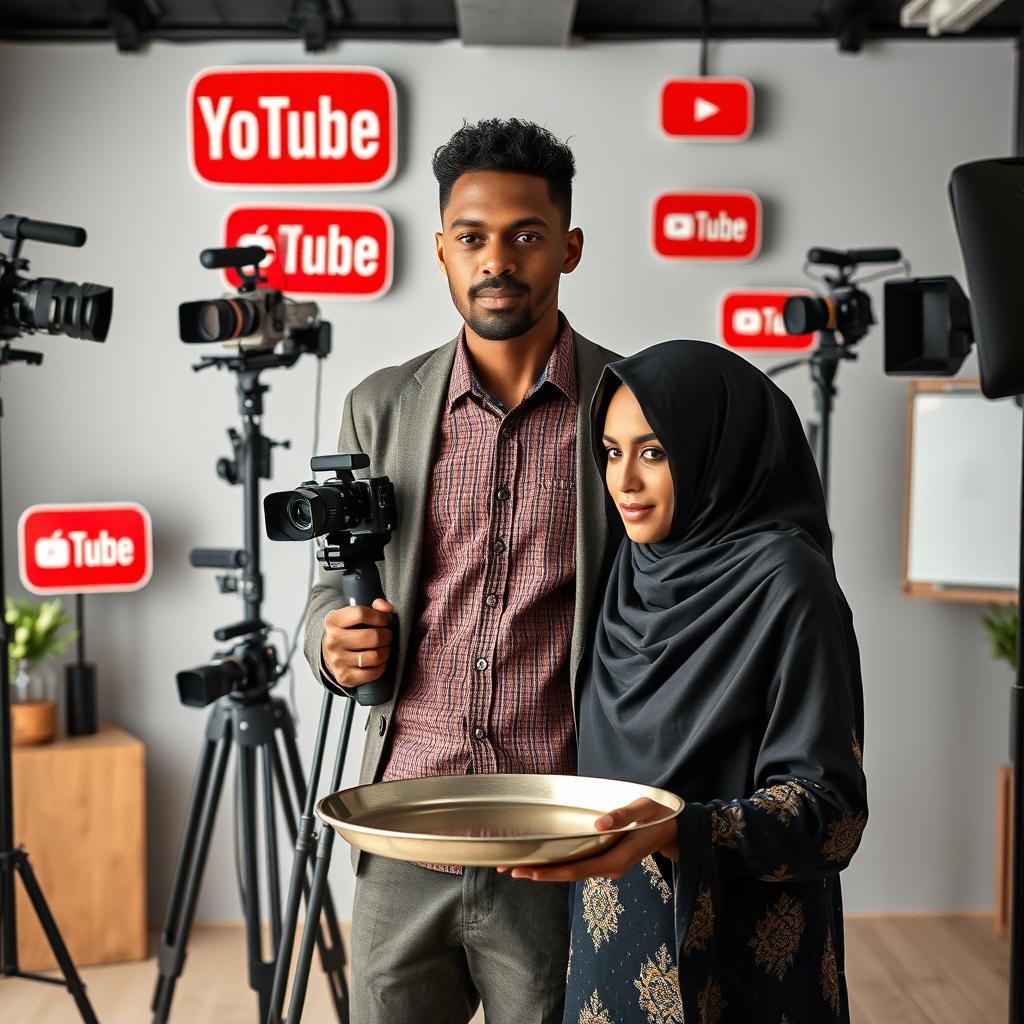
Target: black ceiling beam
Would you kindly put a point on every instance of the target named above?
(206, 34)
(435, 33)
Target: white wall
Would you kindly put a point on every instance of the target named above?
(849, 151)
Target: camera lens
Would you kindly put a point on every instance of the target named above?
(204, 684)
(218, 320)
(209, 321)
(63, 307)
(300, 514)
(311, 511)
(802, 314)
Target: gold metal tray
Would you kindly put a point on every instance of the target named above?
(485, 820)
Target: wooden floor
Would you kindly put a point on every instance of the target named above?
(901, 970)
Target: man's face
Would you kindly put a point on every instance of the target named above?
(503, 248)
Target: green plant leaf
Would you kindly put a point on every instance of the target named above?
(1002, 623)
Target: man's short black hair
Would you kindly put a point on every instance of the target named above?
(521, 147)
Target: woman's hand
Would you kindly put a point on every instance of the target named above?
(616, 860)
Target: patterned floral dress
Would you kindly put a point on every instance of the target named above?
(731, 932)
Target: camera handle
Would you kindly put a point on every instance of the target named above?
(360, 585)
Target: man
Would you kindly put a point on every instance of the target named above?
(492, 574)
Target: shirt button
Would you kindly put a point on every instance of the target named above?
(503, 494)
(479, 733)
(481, 664)
(498, 546)
(491, 600)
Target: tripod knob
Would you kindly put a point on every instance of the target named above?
(227, 469)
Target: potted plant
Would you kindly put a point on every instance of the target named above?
(34, 636)
(1003, 626)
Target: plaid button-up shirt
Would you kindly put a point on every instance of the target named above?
(487, 685)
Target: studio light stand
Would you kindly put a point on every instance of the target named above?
(247, 718)
(14, 862)
(824, 366)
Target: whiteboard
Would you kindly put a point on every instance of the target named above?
(965, 488)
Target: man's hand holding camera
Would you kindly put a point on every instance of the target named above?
(357, 643)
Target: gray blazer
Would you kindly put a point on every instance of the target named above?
(393, 417)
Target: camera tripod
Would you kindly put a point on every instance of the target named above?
(247, 717)
(14, 860)
(356, 557)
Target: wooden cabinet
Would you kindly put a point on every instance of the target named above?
(80, 811)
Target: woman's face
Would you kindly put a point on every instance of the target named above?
(637, 472)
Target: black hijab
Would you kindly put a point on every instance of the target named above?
(717, 640)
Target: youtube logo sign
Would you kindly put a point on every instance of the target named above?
(292, 127)
(707, 109)
(79, 549)
(707, 226)
(751, 320)
(323, 251)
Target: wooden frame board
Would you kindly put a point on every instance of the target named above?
(937, 591)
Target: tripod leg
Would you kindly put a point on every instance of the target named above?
(315, 902)
(191, 860)
(53, 936)
(260, 971)
(270, 829)
(8, 923)
(303, 839)
(309, 934)
(328, 932)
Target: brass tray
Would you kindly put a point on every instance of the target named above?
(485, 820)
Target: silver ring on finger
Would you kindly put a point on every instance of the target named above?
(359, 660)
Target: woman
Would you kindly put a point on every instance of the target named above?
(725, 669)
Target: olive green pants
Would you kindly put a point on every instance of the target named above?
(428, 947)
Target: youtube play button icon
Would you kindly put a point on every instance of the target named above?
(708, 109)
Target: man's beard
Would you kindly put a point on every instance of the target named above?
(498, 324)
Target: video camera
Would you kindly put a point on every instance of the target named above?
(243, 667)
(256, 319)
(355, 518)
(342, 504)
(47, 304)
(845, 308)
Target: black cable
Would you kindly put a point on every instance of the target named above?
(287, 665)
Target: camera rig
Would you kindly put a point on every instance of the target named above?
(237, 681)
(841, 317)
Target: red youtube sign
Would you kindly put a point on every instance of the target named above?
(707, 225)
(82, 549)
(325, 252)
(752, 320)
(708, 109)
(292, 127)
